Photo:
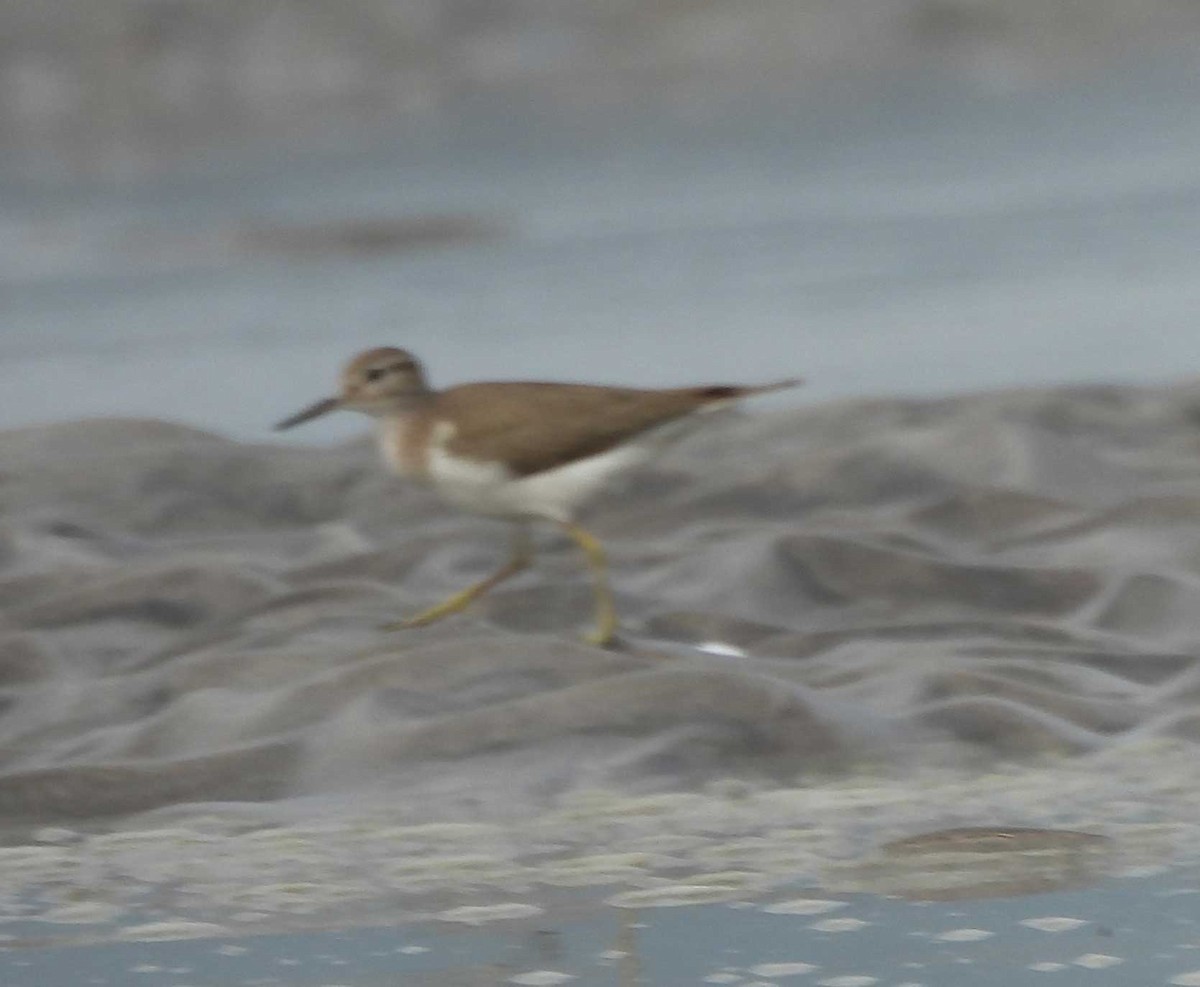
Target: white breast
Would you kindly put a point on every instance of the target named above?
(557, 494)
(490, 488)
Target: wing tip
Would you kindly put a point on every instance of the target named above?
(733, 392)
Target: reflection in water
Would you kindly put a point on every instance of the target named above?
(629, 966)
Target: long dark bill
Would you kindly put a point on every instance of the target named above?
(322, 407)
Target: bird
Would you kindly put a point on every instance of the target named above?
(522, 451)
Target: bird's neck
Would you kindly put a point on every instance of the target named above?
(400, 436)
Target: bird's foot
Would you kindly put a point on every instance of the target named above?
(605, 631)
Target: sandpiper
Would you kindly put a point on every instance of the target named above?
(521, 451)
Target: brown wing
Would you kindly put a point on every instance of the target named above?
(535, 427)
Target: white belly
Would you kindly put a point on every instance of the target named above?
(487, 488)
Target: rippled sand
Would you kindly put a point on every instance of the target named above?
(841, 625)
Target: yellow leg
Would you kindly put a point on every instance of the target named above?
(606, 613)
(520, 559)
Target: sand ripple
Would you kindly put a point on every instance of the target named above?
(188, 619)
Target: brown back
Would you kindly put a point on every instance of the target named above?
(538, 426)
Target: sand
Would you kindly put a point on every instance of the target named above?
(840, 625)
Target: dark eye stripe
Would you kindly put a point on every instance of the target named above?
(375, 373)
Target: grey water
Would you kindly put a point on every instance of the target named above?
(1135, 931)
(917, 238)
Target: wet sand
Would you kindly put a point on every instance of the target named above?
(842, 625)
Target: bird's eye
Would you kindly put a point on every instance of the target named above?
(375, 373)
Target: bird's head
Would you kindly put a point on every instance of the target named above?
(378, 382)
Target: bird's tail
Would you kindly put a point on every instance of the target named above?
(779, 385)
(733, 392)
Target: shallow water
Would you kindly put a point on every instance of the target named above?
(1135, 931)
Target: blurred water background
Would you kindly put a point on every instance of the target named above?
(205, 207)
